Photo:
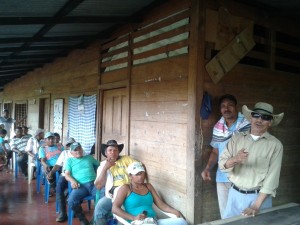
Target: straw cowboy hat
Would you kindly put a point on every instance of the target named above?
(265, 109)
(111, 143)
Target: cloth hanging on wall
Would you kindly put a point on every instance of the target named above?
(82, 124)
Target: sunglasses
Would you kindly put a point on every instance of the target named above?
(262, 116)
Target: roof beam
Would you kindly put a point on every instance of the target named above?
(66, 20)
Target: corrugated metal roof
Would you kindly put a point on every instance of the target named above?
(35, 32)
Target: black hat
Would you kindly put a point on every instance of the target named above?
(111, 143)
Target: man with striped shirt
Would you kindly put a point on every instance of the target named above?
(231, 122)
(18, 145)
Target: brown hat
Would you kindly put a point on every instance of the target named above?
(111, 143)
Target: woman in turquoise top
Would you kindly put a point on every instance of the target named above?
(138, 198)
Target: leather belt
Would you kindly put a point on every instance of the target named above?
(245, 191)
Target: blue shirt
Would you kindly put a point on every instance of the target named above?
(50, 153)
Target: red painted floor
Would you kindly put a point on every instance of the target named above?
(21, 205)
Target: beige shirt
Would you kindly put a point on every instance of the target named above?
(262, 167)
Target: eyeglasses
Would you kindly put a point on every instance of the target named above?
(262, 116)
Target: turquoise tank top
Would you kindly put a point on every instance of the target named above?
(135, 204)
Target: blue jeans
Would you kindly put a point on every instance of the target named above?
(61, 185)
(83, 191)
(102, 208)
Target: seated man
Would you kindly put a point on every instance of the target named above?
(112, 173)
(34, 143)
(3, 151)
(80, 171)
(138, 198)
(18, 145)
(49, 154)
(62, 184)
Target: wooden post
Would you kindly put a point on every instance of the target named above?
(195, 90)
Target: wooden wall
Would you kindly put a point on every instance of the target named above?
(74, 75)
(164, 129)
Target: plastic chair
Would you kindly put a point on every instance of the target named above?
(70, 211)
(157, 210)
(31, 166)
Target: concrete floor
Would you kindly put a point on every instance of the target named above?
(21, 205)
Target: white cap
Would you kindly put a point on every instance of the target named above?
(135, 167)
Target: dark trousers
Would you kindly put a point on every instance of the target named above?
(22, 161)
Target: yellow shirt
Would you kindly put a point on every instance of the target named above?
(262, 167)
(119, 171)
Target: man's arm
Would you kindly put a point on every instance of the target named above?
(54, 169)
(212, 161)
(254, 208)
(70, 178)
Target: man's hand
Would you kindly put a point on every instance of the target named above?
(49, 175)
(110, 163)
(241, 156)
(251, 211)
(206, 175)
(75, 185)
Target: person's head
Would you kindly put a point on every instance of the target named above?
(49, 139)
(261, 117)
(136, 172)
(2, 126)
(56, 138)
(228, 107)
(111, 149)
(69, 142)
(25, 130)
(19, 132)
(5, 113)
(76, 150)
(39, 134)
(3, 133)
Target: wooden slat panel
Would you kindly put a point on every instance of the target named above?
(114, 52)
(162, 36)
(287, 61)
(114, 62)
(163, 23)
(160, 50)
(114, 43)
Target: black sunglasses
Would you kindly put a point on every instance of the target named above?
(262, 116)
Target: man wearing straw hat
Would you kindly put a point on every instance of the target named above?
(252, 161)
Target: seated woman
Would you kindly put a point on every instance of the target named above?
(138, 197)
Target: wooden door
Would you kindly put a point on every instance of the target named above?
(44, 113)
(115, 117)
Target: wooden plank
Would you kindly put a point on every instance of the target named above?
(162, 36)
(160, 132)
(160, 50)
(113, 76)
(114, 43)
(114, 62)
(160, 111)
(167, 70)
(114, 52)
(159, 91)
(163, 23)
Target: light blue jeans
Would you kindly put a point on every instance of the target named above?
(237, 202)
(223, 190)
(102, 208)
(172, 221)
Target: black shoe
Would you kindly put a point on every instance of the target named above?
(62, 218)
(84, 222)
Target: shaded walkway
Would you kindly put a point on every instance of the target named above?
(21, 205)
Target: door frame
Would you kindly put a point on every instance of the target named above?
(99, 117)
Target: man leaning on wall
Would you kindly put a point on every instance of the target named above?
(231, 122)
